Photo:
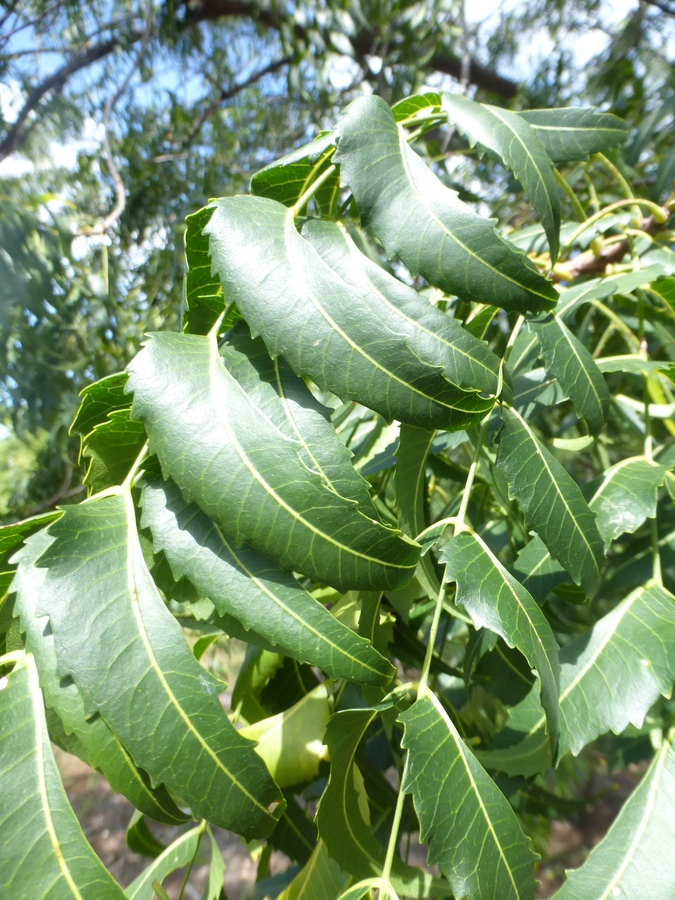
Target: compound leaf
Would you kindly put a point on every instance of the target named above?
(416, 217)
(127, 655)
(44, 853)
(267, 267)
(495, 600)
(472, 832)
(635, 859)
(227, 456)
(509, 137)
(245, 585)
(553, 503)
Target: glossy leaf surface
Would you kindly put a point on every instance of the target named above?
(128, 657)
(417, 218)
(569, 134)
(231, 460)
(459, 806)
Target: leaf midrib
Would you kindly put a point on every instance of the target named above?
(213, 368)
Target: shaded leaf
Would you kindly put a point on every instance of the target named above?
(348, 838)
(112, 447)
(417, 218)
(599, 288)
(44, 852)
(98, 401)
(553, 503)
(319, 879)
(635, 858)
(203, 292)
(411, 464)
(575, 370)
(495, 600)
(510, 137)
(96, 743)
(537, 571)
(140, 839)
(126, 653)
(570, 134)
(472, 832)
(176, 856)
(266, 267)
(229, 458)
(13, 535)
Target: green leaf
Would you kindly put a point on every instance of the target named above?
(472, 832)
(203, 293)
(98, 401)
(522, 747)
(291, 407)
(570, 134)
(244, 584)
(287, 179)
(140, 839)
(495, 600)
(554, 506)
(429, 101)
(417, 218)
(44, 853)
(128, 657)
(635, 859)
(102, 749)
(625, 496)
(291, 742)
(411, 465)
(537, 571)
(13, 535)
(214, 886)
(295, 833)
(228, 457)
(176, 856)
(348, 838)
(112, 447)
(434, 337)
(599, 288)
(509, 137)
(319, 879)
(575, 370)
(267, 267)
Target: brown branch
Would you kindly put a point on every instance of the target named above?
(589, 263)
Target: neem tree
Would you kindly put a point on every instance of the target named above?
(427, 499)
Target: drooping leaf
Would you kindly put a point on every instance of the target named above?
(112, 448)
(416, 217)
(319, 879)
(553, 503)
(510, 137)
(244, 584)
(127, 655)
(140, 839)
(176, 856)
(411, 463)
(266, 267)
(213, 888)
(570, 134)
(291, 742)
(635, 858)
(295, 834)
(44, 853)
(228, 457)
(495, 600)
(575, 370)
(287, 179)
(348, 838)
(471, 830)
(625, 496)
(102, 750)
(435, 338)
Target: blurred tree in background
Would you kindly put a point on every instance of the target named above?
(120, 117)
